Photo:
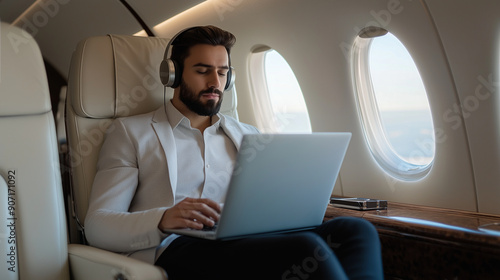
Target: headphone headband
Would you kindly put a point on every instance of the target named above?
(170, 72)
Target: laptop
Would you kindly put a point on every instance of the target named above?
(280, 183)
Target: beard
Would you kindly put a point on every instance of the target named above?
(193, 100)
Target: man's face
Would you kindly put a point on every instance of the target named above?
(203, 79)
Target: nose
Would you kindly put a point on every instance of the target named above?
(214, 80)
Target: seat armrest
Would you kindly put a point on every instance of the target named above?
(92, 263)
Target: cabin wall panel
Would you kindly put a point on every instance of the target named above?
(361, 176)
(470, 33)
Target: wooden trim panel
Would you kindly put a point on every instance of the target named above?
(420, 242)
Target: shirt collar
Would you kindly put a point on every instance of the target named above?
(175, 117)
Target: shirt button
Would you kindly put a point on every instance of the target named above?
(208, 165)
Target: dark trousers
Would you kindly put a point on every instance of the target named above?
(342, 248)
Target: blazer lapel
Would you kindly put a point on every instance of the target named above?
(166, 136)
(233, 132)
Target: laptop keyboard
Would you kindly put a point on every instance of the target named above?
(207, 228)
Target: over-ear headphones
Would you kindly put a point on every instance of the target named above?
(171, 73)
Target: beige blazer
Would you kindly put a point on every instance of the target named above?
(135, 183)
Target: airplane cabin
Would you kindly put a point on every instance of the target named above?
(416, 82)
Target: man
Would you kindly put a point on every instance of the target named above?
(158, 171)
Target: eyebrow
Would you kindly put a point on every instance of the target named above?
(210, 66)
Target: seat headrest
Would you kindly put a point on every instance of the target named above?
(111, 75)
(23, 81)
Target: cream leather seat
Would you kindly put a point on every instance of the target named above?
(33, 234)
(35, 237)
(110, 76)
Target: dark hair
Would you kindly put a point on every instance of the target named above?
(208, 35)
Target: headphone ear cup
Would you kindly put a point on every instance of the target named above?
(170, 75)
(176, 81)
(167, 72)
(231, 76)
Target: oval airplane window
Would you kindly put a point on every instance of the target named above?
(276, 92)
(393, 106)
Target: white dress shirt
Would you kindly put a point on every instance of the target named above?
(205, 161)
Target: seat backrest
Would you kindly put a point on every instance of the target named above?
(111, 76)
(33, 230)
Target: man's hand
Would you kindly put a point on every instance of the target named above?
(191, 213)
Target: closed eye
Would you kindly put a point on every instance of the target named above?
(203, 69)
